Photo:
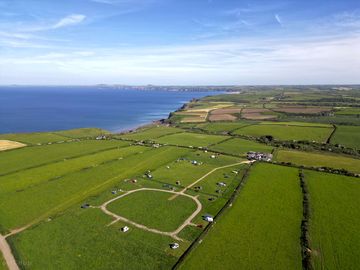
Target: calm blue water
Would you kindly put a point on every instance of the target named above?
(29, 109)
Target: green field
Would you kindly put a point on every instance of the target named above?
(348, 136)
(2, 263)
(28, 157)
(191, 139)
(222, 127)
(154, 209)
(80, 239)
(319, 160)
(57, 136)
(239, 146)
(258, 231)
(335, 219)
(150, 133)
(287, 132)
(36, 202)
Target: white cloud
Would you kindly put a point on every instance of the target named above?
(72, 19)
(278, 19)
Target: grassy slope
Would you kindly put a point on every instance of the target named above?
(28, 157)
(261, 230)
(319, 160)
(45, 137)
(27, 178)
(282, 132)
(80, 239)
(335, 219)
(239, 146)
(154, 210)
(2, 263)
(348, 136)
(39, 201)
(191, 139)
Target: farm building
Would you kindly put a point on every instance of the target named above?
(259, 156)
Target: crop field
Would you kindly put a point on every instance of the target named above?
(257, 232)
(287, 132)
(348, 111)
(348, 136)
(151, 133)
(7, 145)
(222, 127)
(82, 132)
(38, 201)
(302, 110)
(335, 219)
(239, 146)
(316, 159)
(67, 239)
(191, 139)
(154, 209)
(28, 157)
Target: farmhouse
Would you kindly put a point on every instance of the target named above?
(259, 156)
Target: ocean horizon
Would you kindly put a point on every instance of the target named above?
(36, 109)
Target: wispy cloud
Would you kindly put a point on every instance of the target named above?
(278, 19)
(69, 20)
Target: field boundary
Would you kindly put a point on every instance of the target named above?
(305, 238)
(227, 205)
(328, 141)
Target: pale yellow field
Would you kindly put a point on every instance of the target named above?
(6, 145)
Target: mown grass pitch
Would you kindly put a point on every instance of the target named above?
(287, 132)
(240, 147)
(191, 139)
(261, 230)
(154, 209)
(335, 219)
(348, 136)
(316, 159)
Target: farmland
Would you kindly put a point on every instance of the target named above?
(72, 191)
(191, 139)
(319, 160)
(154, 209)
(237, 146)
(257, 232)
(348, 136)
(287, 132)
(7, 145)
(334, 222)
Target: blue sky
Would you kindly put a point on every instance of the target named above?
(179, 42)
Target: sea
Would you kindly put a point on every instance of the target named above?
(35, 109)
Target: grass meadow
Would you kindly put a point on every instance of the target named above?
(348, 136)
(262, 228)
(39, 201)
(315, 159)
(335, 219)
(29, 157)
(287, 132)
(154, 209)
(150, 133)
(191, 139)
(80, 239)
(240, 147)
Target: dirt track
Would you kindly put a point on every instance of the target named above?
(140, 226)
(8, 256)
